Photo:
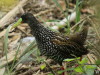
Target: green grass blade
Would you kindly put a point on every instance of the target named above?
(32, 45)
(15, 58)
(6, 46)
(24, 57)
(58, 5)
(77, 11)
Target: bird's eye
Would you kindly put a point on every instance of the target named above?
(25, 19)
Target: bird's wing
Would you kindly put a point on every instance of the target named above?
(68, 46)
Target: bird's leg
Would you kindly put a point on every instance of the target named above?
(63, 68)
(81, 58)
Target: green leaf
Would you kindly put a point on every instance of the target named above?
(89, 69)
(71, 59)
(91, 66)
(60, 72)
(79, 69)
(84, 60)
(43, 66)
(50, 74)
(98, 62)
(89, 72)
(68, 69)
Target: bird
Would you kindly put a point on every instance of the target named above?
(55, 45)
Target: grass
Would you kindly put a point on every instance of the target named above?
(58, 5)
(16, 61)
(6, 48)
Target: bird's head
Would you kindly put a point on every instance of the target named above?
(26, 17)
(30, 20)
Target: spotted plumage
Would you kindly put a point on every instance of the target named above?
(55, 45)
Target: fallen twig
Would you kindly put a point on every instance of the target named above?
(22, 31)
(6, 19)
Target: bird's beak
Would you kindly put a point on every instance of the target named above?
(22, 22)
(17, 23)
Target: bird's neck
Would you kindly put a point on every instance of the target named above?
(39, 31)
(34, 24)
(37, 28)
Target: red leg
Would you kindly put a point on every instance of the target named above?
(81, 58)
(62, 68)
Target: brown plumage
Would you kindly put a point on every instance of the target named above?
(55, 45)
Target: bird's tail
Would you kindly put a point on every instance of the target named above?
(81, 36)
